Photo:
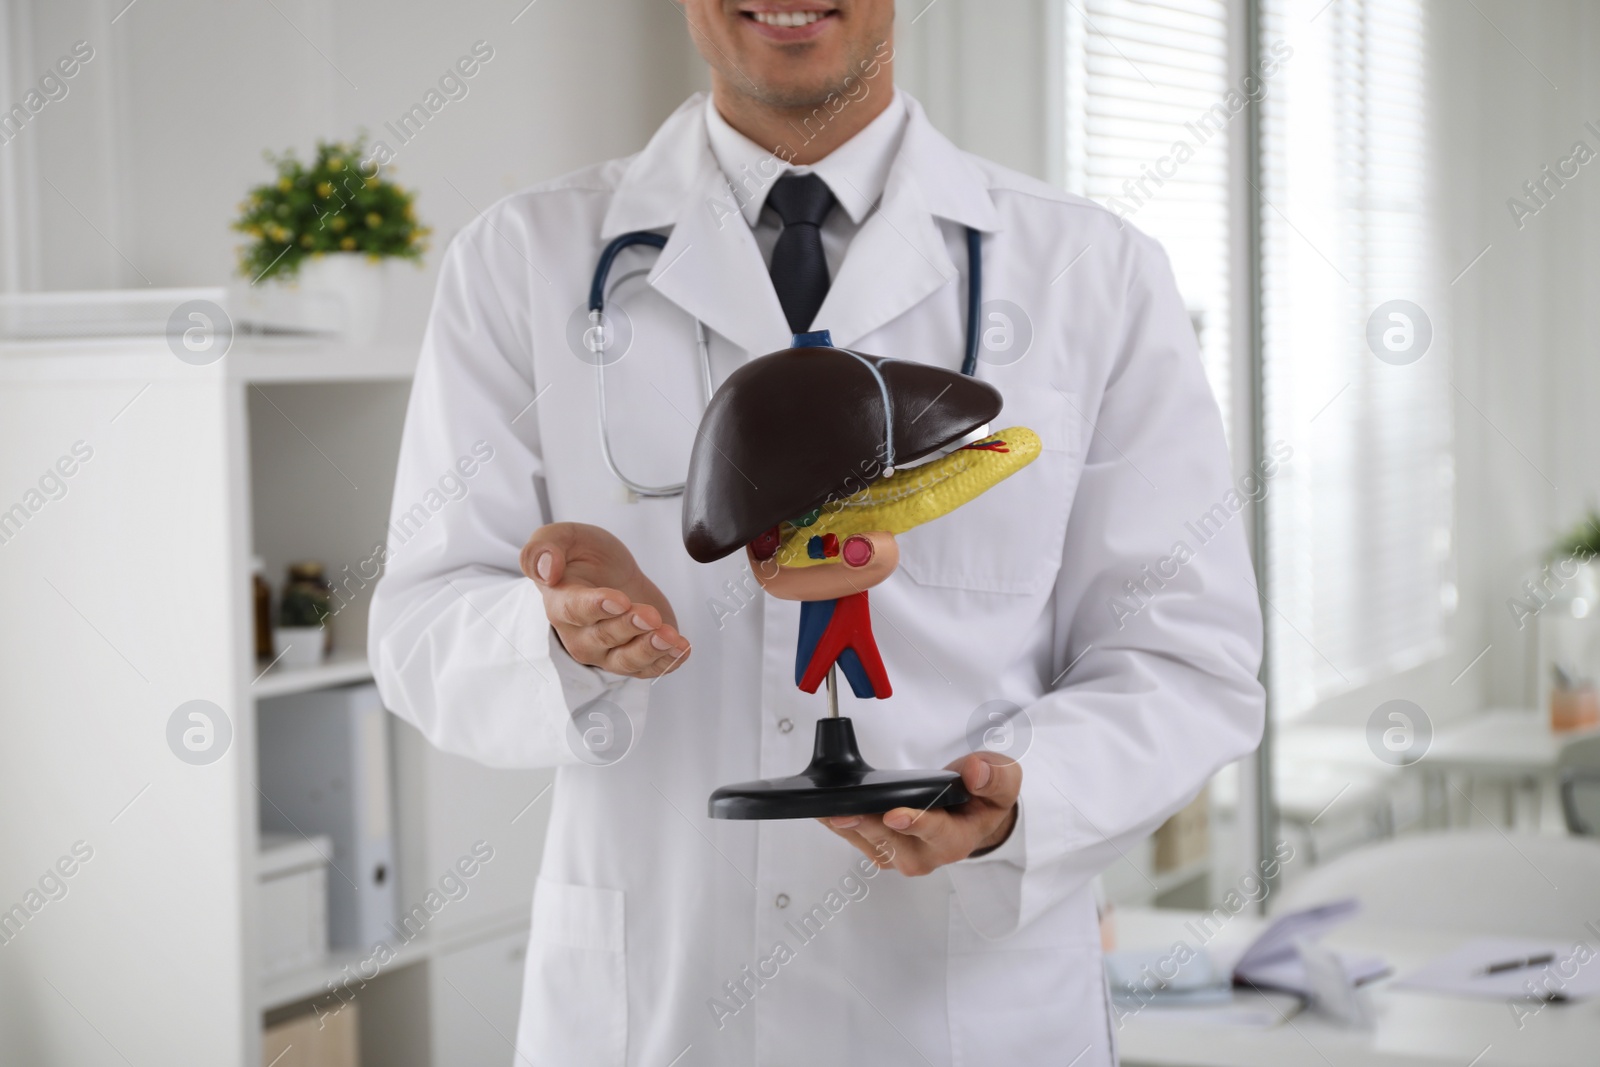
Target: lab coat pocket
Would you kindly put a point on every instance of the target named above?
(1009, 539)
(1038, 996)
(575, 987)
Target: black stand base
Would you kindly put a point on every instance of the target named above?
(837, 782)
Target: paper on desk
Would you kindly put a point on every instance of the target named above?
(1273, 960)
(1245, 1009)
(1147, 974)
(1276, 942)
(1574, 974)
(1288, 971)
(1332, 990)
(1158, 989)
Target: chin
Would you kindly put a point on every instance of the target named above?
(800, 91)
(813, 55)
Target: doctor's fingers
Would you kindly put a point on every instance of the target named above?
(671, 661)
(543, 561)
(644, 656)
(884, 859)
(991, 777)
(640, 619)
(884, 846)
(551, 547)
(932, 839)
(581, 605)
(597, 644)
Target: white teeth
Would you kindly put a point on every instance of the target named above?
(787, 18)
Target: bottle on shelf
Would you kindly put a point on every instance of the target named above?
(262, 615)
(308, 596)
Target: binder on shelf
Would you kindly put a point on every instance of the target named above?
(325, 769)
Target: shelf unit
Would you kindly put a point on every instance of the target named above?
(341, 668)
(127, 594)
(285, 990)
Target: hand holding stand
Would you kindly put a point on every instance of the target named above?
(837, 781)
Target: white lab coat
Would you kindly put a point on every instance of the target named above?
(656, 929)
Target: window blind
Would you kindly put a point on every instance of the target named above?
(1147, 129)
(1360, 557)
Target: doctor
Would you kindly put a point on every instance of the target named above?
(1091, 624)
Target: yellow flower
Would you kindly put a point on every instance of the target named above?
(348, 244)
(335, 163)
(285, 184)
(338, 223)
(411, 213)
(324, 189)
(306, 240)
(374, 220)
(253, 231)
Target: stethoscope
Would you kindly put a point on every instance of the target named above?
(594, 341)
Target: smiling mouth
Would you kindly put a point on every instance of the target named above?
(789, 18)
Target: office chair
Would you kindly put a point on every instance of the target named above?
(1580, 800)
(1580, 786)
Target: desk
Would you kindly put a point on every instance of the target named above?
(1513, 748)
(1411, 1029)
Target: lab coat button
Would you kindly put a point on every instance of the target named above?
(785, 725)
(782, 900)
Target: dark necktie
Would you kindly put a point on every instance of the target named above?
(799, 270)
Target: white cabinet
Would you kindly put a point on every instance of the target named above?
(124, 593)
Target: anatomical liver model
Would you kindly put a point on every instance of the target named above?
(811, 460)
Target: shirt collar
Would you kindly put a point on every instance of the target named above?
(677, 173)
(856, 171)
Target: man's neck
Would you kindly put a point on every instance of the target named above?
(800, 136)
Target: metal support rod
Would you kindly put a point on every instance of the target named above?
(833, 692)
(1266, 813)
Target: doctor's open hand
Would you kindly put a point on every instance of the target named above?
(916, 842)
(605, 611)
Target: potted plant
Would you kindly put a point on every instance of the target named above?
(320, 233)
(1582, 542)
(301, 637)
(1567, 595)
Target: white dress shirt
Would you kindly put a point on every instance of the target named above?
(856, 173)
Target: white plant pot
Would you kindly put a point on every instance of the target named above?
(338, 293)
(298, 647)
(1563, 600)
